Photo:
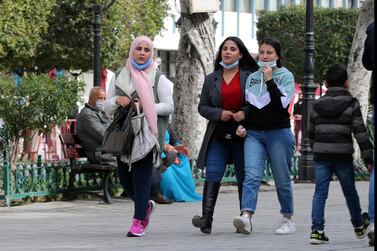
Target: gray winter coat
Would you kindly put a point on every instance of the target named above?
(210, 107)
(91, 128)
(334, 118)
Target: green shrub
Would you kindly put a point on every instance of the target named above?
(333, 34)
(36, 104)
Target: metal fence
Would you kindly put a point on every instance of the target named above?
(49, 179)
(229, 177)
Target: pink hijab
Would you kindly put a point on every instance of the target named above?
(143, 84)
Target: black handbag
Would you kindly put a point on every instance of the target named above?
(227, 131)
(119, 136)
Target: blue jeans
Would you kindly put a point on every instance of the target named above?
(278, 146)
(219, 154)
(371, 197)
(346, 175)
(137, 183)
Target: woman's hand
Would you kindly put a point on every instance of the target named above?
(122, 101)
(182, 149)
(239, 116)
(169, 148)
(267, 73)
(241, 131)
(226, 115)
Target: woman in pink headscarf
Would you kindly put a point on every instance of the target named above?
(141, 80)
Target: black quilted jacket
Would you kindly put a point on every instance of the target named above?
(334, 118)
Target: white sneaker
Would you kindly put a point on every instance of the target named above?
(242, 224)
(286, 227)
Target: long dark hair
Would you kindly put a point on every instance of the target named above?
(247, 62)
(276, 45)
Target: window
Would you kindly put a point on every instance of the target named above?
(353, 3)
(230, 5)
(260, 4)
(167, 65)
(273, 5)
(244, 6)
(286, 3)
(325, 3)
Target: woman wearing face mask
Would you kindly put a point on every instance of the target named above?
(141, 80)
(222, 102)
(269, 92)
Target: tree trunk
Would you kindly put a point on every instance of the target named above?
(15, 147)
(359, 77)
(196, 53)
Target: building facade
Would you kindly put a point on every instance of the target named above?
(234, 18)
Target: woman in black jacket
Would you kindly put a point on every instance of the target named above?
(222, 102)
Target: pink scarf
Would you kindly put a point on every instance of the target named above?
(143, 84)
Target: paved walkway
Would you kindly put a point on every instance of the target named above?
(90, 225)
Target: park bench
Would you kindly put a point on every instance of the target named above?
(74, 152)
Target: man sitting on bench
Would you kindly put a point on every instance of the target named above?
(92, 123)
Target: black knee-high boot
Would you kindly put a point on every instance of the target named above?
(240, 194)
(210, 192)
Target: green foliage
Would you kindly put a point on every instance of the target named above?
(135, 18)
(68, 42)
(37, 103)
(333, 33)
(21, 25)
(40, 34)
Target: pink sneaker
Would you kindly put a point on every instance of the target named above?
(151, 208)
(136, 229)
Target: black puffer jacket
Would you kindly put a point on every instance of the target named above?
(334, 118)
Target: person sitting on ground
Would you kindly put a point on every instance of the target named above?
(156, 194)
(177, 182)
(334, 118)
(92, 123)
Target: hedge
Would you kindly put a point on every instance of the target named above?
(333, 34)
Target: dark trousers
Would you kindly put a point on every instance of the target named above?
(137, 183)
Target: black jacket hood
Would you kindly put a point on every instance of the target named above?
(335, 101)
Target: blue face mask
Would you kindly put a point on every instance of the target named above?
(229, 66)
(141, 67)
(272, 64)
(100, 105)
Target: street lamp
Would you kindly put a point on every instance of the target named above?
(97, 10)
(306, 164)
